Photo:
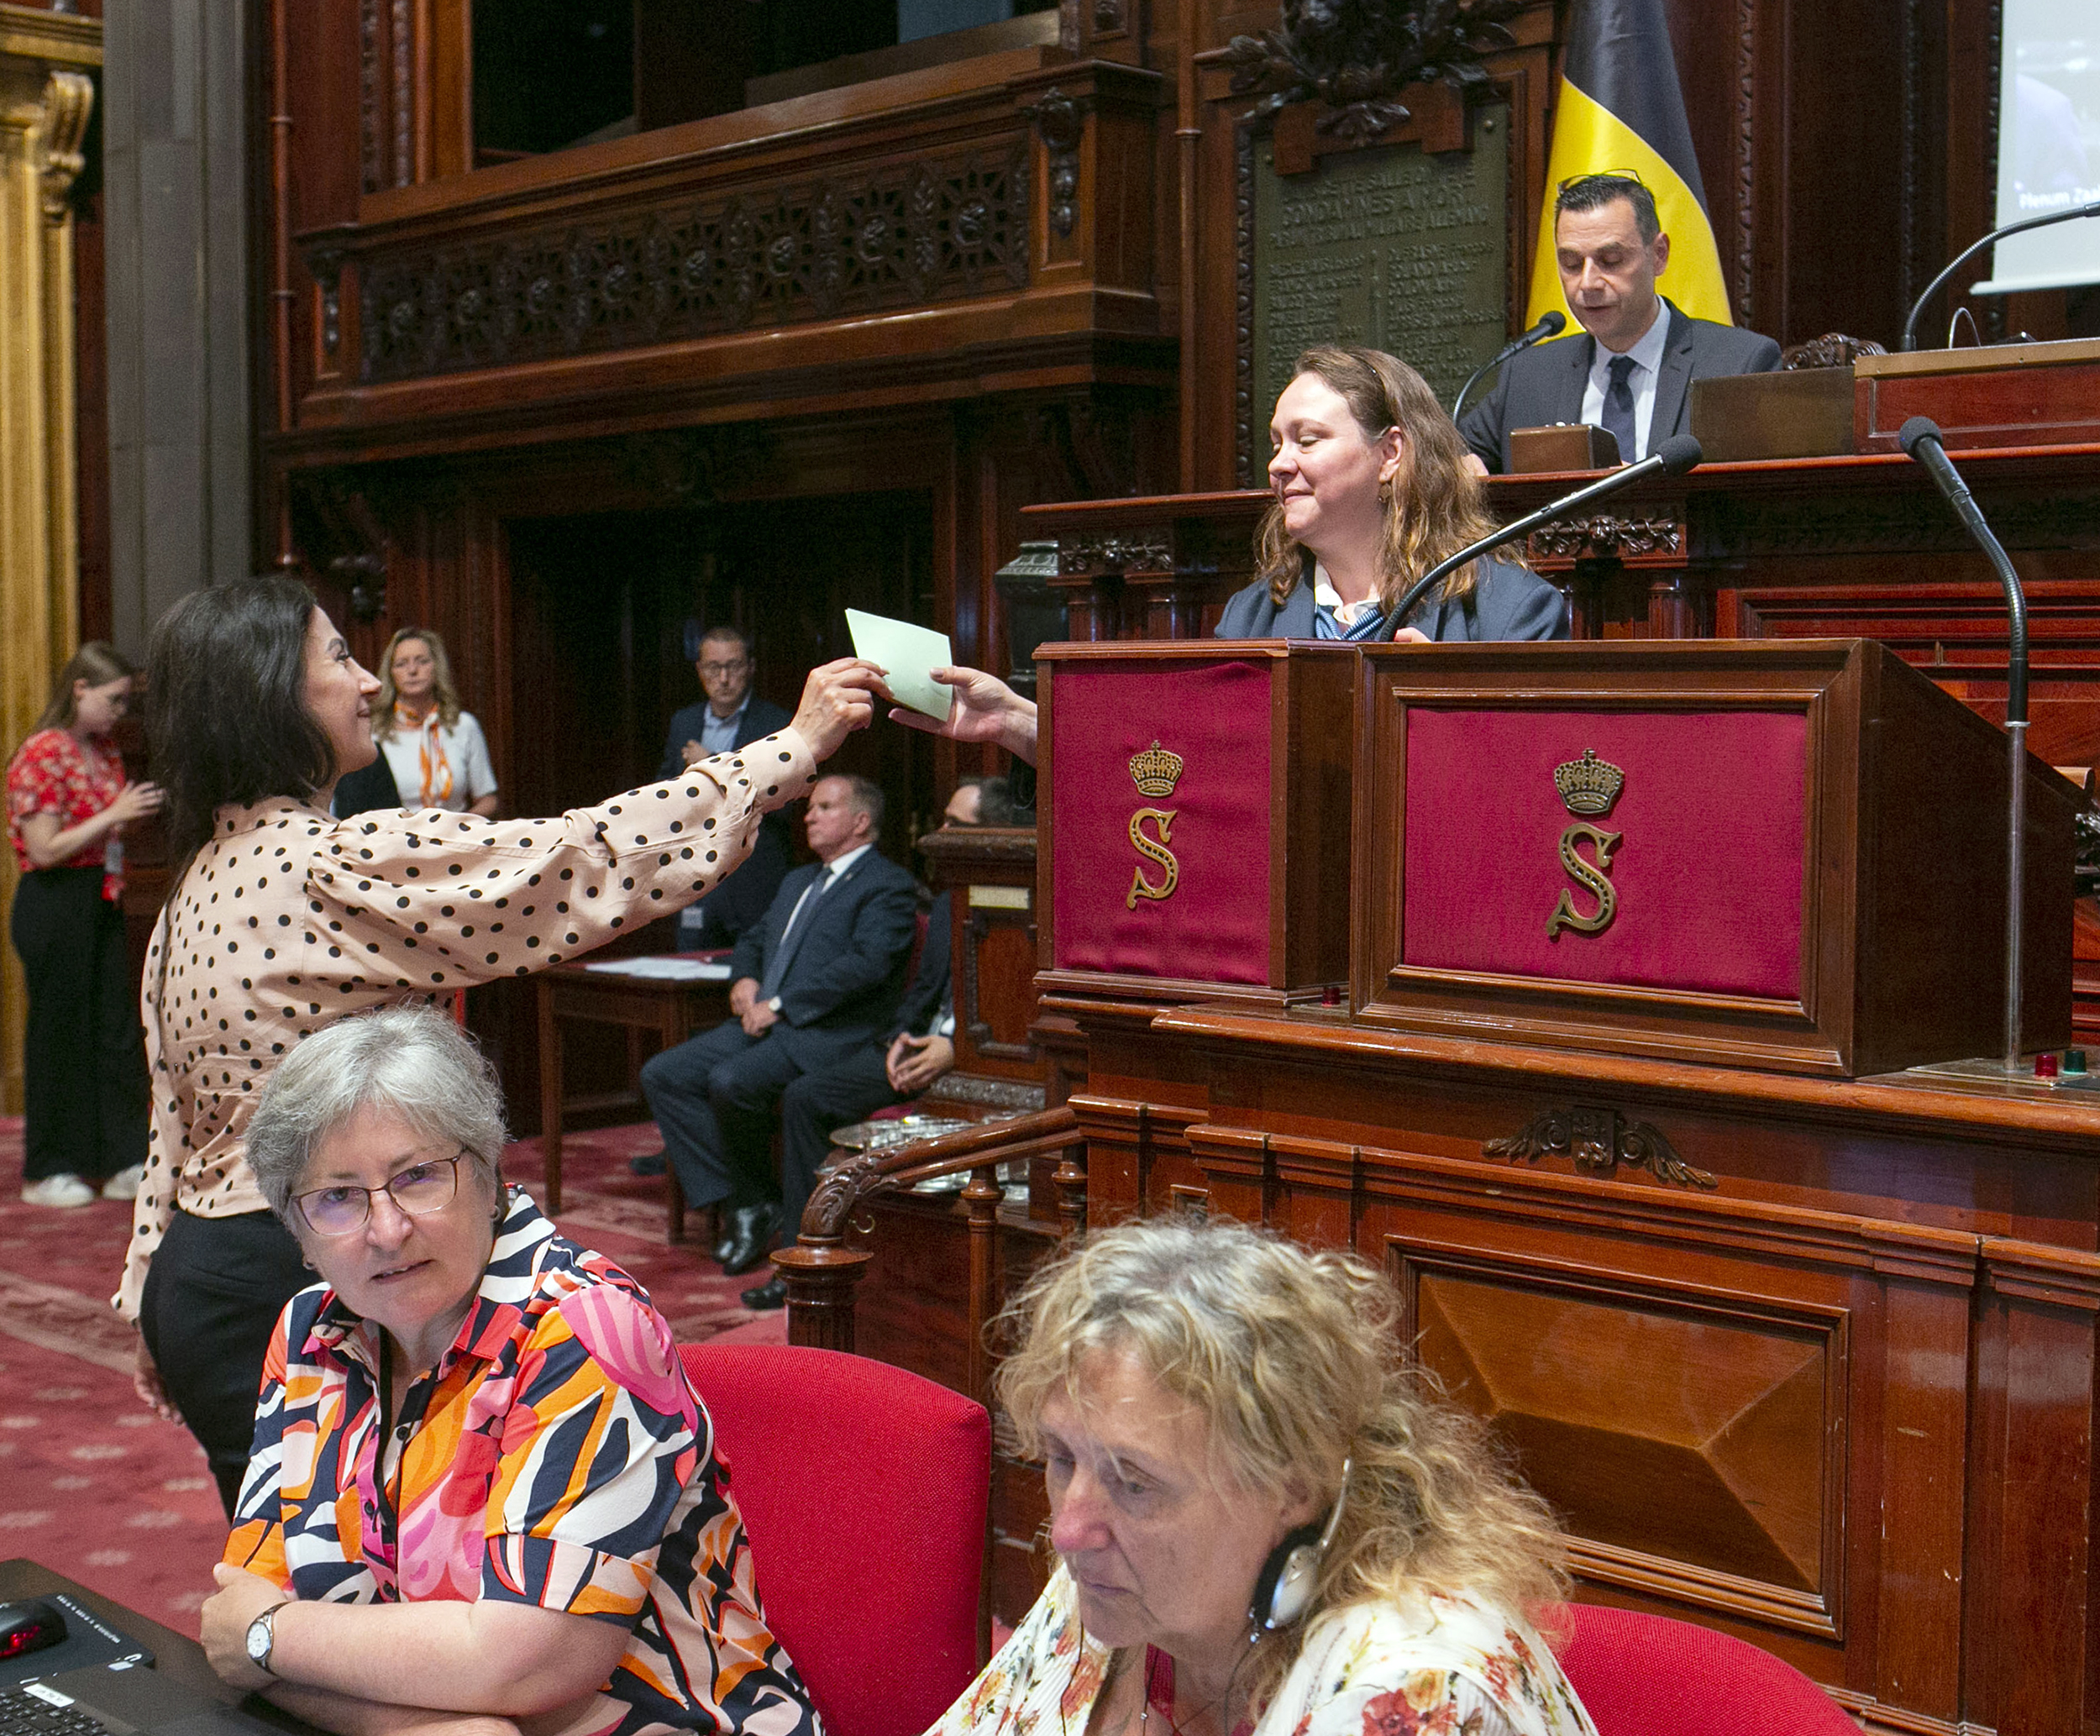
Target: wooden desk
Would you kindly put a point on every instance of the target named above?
(672, 1011)
(176, 1656)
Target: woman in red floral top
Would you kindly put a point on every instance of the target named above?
(83, 1054)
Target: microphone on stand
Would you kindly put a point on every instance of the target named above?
(1919, 438)
(2066, 215)
(1552, 323)
(1674, 458)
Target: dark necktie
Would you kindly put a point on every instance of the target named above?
(798, 920)
(1618, 408)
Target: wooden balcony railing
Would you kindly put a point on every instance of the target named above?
(822, 1272)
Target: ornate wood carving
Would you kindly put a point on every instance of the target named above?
(404, 56)
(1833, 350)
(1599, 1140)
(982, 1092)
(935, 231)
(1354, 56)
(1115, 551)
(1608, 534)
(1061, 123)
(371, 148)
(1243, 307)
(69, 98)
(1110, 17)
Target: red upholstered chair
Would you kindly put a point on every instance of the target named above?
(1647, 1675)
(864, 1490)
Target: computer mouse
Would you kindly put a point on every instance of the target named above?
(28, 1628)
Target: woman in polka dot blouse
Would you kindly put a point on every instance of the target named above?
(280, 920)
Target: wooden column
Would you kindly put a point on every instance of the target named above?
(44, 98)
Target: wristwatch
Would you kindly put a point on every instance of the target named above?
(262, 1635)
(774, 1004)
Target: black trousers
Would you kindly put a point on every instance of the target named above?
(213, 1296)
(84, 1057)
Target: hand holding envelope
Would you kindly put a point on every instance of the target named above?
(943, 699)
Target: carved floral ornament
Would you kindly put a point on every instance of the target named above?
(767, 256)
(69, 98)
(1354, 56)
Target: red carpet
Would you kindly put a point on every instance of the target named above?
(93, 1484)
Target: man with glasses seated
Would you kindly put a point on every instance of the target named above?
(483, 1494)
(1629, 370)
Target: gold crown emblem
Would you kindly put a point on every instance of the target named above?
(1155, 771)
(1589, 785)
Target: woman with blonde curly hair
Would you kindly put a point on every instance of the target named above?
(436, 752)
(1373, 489)
(1266, 1522)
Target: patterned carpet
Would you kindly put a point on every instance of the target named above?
(93, 1484)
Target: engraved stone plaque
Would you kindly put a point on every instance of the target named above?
(1395, 247)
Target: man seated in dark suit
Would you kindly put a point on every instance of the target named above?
(730, 717)
(818, 978)
(1631, 371)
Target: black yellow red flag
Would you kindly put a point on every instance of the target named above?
(1621, 108)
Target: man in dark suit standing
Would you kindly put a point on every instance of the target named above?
(1631, 371)
(818, 978)
(730, 717)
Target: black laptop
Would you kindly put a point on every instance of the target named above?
(99, 1681)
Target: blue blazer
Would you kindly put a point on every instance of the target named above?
(1510, 602)
(846, 960)
(742, 899)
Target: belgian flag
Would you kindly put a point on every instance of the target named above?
(1621, 108)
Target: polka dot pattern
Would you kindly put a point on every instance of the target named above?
(289, 919)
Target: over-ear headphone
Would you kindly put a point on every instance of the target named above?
(1285, 1585)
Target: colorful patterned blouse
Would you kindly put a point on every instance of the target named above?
(557, 1455)
(1446, 1666)
(52, 772)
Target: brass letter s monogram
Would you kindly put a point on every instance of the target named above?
(1564, 915)
(1140, 887)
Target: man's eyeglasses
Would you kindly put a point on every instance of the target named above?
(419, 1190)
(726, 668)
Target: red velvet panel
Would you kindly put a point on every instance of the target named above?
(1708, 869)
(1215, 928)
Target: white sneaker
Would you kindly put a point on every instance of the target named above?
(58, 1190)
(125, 1184)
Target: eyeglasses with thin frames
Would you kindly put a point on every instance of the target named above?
(1590, 175)
(419, 1190)
(726, 668)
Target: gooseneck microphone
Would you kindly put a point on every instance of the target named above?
(1919, 438)
(2069, 213)
(1674, 458)
(1552, 323)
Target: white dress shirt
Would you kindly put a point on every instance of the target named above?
(1647, 357)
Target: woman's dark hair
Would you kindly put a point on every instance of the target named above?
(95, 662)
(225, 705)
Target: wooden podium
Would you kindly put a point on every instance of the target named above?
(1786, 854)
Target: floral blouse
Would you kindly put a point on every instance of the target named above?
(53, 773)
(557, 1455)
(1442, 1666)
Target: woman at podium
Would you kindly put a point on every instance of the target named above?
(1371, 490)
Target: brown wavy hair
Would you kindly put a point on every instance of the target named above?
(441, 688)
(97, 662)
(1295, 1359)
(1435, 505)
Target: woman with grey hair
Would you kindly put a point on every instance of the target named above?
(482, 1487)
(1266, 1523)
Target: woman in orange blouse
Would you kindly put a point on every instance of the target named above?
(481, 1483)
(68, 804)
(280, 920)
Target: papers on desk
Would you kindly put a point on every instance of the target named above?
(664, 969)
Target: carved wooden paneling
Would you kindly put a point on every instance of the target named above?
(901, 235)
